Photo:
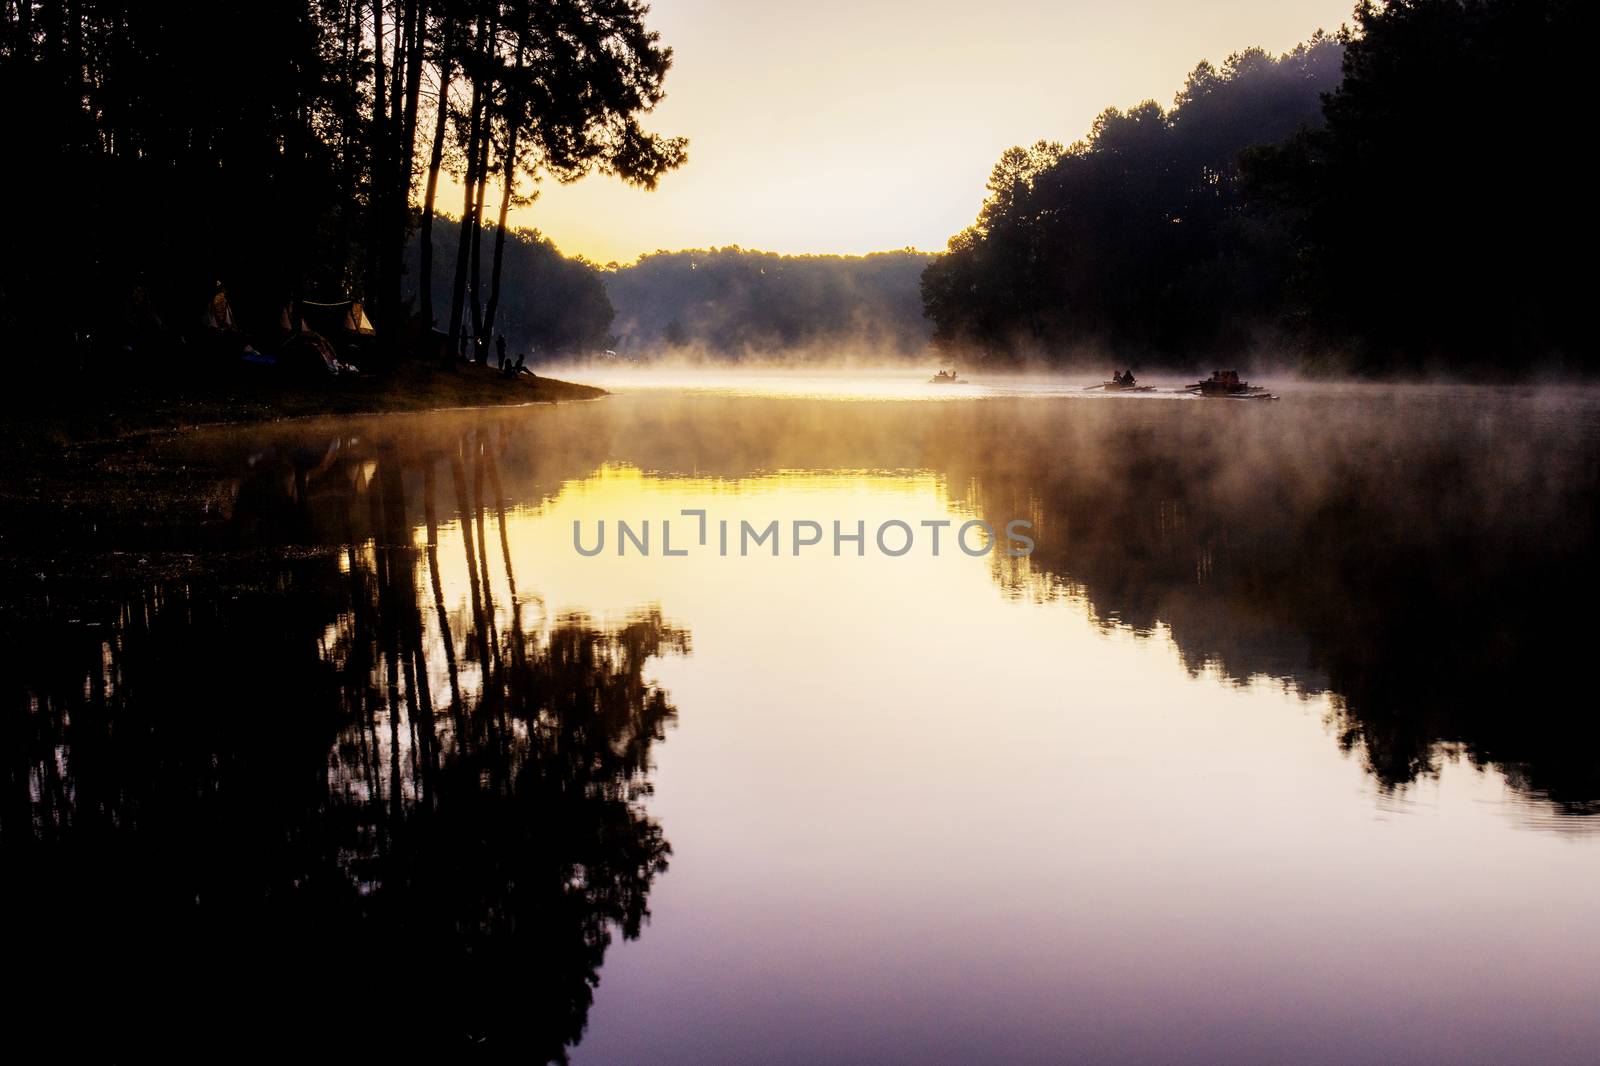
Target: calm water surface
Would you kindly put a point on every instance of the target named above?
(1280, 746)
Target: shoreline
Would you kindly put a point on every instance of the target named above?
(78, 460)
(116, 407)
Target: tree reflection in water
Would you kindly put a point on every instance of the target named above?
(1428, 561)
(1425, 555)
(310, 796)
(318, 788)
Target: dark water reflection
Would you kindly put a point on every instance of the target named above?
(1427, 559)
(241, 807)
(304, 771)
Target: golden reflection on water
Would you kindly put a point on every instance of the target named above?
(792, 384)
(867, 384)
(896, 771)
(918, 640)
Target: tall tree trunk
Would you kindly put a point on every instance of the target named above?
(435, 159)
(417, 40)
(405, 86)
(406, 169)
(377, 185)
(476, 266)
(513, 119)
(397, 60)
(396, 193)
(351, 40)
(458, 286)
(509, 184)
(464, 239)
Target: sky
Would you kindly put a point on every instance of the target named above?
(852, 126)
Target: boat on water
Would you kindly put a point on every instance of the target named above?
(1225, 385)
(945, 377)
(1121, 381)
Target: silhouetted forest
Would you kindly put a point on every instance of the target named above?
(550, 305)
(281, 151)
(733, 303)
(1352, 203)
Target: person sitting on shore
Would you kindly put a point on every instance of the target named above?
(221, 335)
(516, 369)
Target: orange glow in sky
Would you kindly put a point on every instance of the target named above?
(862, 125)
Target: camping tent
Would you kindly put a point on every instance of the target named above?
(336, 318)
(357, 321)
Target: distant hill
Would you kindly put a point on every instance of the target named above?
(735, 304)
(728, 304)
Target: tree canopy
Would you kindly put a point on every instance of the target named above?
(1436, 215)
(1397, 197)
(1133, 238)
(281, 149)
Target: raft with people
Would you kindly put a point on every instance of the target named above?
(1121, 381)
(1226, 385)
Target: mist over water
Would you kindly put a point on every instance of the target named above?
(1281, 723)
(843, 376)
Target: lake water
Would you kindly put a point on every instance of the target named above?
(1281, 745)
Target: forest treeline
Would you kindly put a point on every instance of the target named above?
(735, 304)
(1397, 197)
(291, 151)
(721, 304)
